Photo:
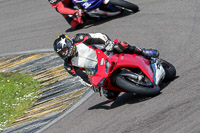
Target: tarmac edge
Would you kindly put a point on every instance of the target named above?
(83, 99)
(27, 52)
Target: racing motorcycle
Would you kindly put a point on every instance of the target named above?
(104, 8)
(130, 73)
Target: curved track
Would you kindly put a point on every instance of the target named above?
(170, 26)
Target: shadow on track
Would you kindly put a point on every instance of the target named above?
(91, 23)
(127, 98)
(165, 84)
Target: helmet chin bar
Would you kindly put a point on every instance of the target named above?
(72, 52)
(65, 51)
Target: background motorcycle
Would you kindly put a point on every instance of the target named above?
(130, 73)
(104, 8)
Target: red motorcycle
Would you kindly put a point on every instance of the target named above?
(130, 73)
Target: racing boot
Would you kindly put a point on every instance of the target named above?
(110, 94)
(150, 53)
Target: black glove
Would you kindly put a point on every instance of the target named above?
(68, 67)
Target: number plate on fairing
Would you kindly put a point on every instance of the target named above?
(158, 70)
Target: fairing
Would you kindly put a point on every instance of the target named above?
(119, 61)
(128, 60)
(87, 4)
(158, 71)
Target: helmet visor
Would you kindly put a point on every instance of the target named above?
(64, 53)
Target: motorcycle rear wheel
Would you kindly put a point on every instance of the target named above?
(124, 4)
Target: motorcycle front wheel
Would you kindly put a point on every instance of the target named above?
(125, 4)
(129, 86)
(170, 71)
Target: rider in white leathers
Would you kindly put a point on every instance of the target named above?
(79, 53)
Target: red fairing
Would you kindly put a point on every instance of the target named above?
(101, 70)
(136, 61)
(116, 41)
(60, 7)
(118, 61)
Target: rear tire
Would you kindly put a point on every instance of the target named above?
(125, 4)
(170, 71)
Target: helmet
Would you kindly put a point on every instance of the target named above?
(64, 47)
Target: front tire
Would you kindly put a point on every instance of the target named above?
(124, 4)
(170, 71)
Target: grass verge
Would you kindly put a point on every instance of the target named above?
(17, 92)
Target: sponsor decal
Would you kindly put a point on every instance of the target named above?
(86, 5)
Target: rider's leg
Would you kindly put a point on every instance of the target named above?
(124, 47)
(110, 94)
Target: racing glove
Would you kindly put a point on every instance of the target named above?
(109, 45)
(69, 68)
(79, 13)
(79, 16)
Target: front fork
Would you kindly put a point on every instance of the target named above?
(158, 70)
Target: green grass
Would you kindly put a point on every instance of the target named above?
(17, 92)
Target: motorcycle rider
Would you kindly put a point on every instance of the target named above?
(66, 8)
(79, 52)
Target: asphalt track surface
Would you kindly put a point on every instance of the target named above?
(171, 26)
